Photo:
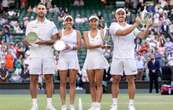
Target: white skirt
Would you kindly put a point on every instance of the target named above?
(68, 61)
(95, 60)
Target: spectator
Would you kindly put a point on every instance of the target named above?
(29, 10)
(9, 61)
(154, 71)
(3, 73)
(171, 29)
(15, 78)
(140, 67)
(25, 72)
(18, 66)
(5, 5)
(78, 3)
(168, 45)
(170, 64)
(23, 3)
(7, 37)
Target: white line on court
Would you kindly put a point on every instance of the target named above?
(139, 103)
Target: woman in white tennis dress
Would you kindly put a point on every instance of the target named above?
(95, 62)
(68, 64)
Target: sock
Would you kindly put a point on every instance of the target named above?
(34, 101)
(93, 104)
(114, 100)
(97, 104)
(49, 101)
(131, 101)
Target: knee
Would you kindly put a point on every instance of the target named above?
(48, 79)
(92, 84)
(34, 80)
(62, 83)
(131, 80)
(98, 83)
(116, 80)
(72, 83)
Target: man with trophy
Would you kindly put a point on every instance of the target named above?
(40, 35)
(123, 61)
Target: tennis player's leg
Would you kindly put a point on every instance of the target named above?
(116, 72)
(48, 67)
(63, 81)
(130, 71)
(72, 82)
(99, 88)
(35, 70)
(92, 86)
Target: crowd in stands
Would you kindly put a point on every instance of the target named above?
(13, 63)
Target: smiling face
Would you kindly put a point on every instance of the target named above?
(120, 16)
(41, 11)
(68, 23)
(93, 23)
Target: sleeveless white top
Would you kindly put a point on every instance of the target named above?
(71, 40)
(69, 57)
(95, 58)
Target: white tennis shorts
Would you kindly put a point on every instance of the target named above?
(39, 66)
(66, 62)
(128, 66)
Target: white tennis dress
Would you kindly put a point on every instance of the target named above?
(95, 58)
(68, 59)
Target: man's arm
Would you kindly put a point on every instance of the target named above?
(145, 32)
(48, 42)
(126, 31)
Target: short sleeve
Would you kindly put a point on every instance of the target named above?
(54, 29)
(113, 28)
(27, 29)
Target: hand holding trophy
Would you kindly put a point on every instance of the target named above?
(59, 45)
(31, 38)
(106, 39)
(107, 46)
(146, 19)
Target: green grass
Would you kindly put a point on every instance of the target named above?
(142, 101)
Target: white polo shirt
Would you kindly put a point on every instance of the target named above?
(44, 31)
(124, 46)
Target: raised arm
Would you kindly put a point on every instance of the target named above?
(145, 32)
(126, 31)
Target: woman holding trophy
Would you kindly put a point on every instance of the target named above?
(95, 63)
(68, 64)
(123, 61)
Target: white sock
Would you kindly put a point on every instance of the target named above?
(49, 101)
(93, 104)
(97, 104)
(131, 101)
(114, 100)
(34, 101)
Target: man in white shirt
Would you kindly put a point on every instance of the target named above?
(41, 59)
(123, 36)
